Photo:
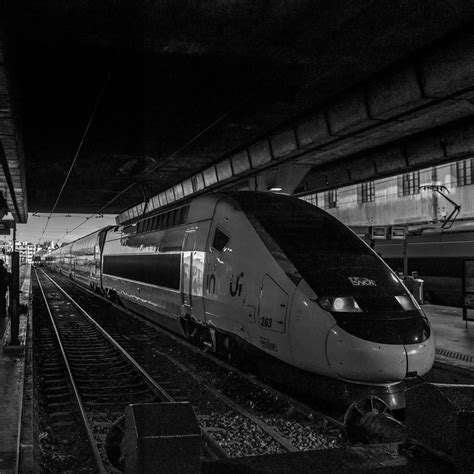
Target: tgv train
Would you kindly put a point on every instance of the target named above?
(437, 256)
(270, 276)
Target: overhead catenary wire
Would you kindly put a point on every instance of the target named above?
(76, 155)
(153, 169)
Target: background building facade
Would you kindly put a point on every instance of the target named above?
(401, 199)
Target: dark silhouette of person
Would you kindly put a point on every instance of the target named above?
(5, 279)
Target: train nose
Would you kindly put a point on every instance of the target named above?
(420, 357)
(358, 359)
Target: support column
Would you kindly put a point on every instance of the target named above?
(434, 194)
(14, 299)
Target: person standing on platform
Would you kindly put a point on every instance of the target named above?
(5, 279)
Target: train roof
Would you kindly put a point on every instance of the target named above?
(461, 226)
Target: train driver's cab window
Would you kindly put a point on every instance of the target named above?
(220, 240)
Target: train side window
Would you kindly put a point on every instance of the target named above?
(220, 240)
(176, 216)
(154, 224)
(169, 219)
(184, 214)
(140, 227)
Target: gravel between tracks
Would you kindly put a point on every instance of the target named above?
(236, 436)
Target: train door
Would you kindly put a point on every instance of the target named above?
(192, 277)
(272, 311)
(95, 263)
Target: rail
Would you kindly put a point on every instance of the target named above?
(95, 450)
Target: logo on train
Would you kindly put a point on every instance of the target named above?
(238, 285)
(211, 283)
(360, 281)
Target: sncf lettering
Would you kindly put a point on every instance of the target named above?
(361, 281)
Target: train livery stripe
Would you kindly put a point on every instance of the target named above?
(160, 270)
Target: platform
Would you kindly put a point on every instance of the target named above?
(454, 341)
(12, 368)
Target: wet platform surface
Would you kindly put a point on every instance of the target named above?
(12, 365)
(454, 341)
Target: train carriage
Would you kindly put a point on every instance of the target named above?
(272, 277)
(436, 255)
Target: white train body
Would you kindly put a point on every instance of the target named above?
(265, 272)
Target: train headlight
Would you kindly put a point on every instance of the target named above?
(405, 302)
(339, 304)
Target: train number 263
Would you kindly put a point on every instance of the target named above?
(266, 322)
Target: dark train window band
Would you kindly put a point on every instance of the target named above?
(220, 240)
(160, 270)
(168, 219)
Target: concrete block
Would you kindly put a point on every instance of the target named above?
(224, 170)
(459, 139)
(316, 180)
(240, 162)
(198, 182)
(394, 94)
(154, 203)
(283, 143)
(161, 437)
(4, 102)
(6, 126)
(424, 150)
(163, 199)
(449, 69)
(337, 175)
(349, 114)
(362, 168)
(8, 141)
(210, 176)
(188, 186)
(3, 79)
(260, 153)
(389, 160)
(170, 195)
(178, 191)
(312, 130)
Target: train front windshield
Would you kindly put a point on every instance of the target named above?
(331, 258)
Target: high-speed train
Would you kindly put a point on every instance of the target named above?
(270, 276)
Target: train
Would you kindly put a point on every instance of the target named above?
(270, 277)
(436, 256)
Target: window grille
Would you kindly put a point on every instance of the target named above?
(410, 184)
(366, 192)
(465, 172)
(330, 199)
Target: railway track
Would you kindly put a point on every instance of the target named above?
(194, 374)
(111, 371)
(85, 381)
